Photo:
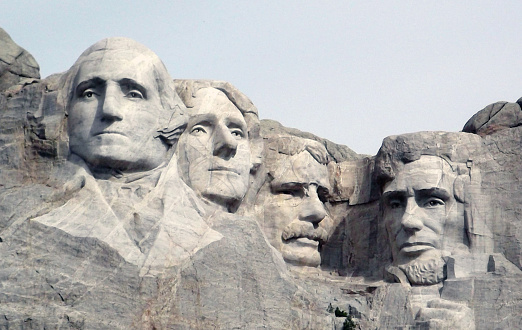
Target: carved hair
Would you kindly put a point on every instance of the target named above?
(170, 100)
(455, 148)
(292, 145)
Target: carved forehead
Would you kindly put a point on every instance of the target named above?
(124, 47)
(428, 172)
(300, 168)
(112, 66)
(215, 102)
(114, 55)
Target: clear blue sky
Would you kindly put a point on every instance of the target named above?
(350, 71)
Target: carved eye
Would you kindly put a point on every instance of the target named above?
(87, 94)
(322, 193)
(395, 204)
(237, 133)
(134, 94)
(292, 192)
(434, 202)
(197, 130)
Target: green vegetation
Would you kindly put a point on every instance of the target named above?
(349, 323)
(340, 313)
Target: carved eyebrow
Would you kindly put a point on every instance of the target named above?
(286, 185)
(133, 84)
(433, 192)
(90, 83)
(394, 194)
(236, 123)
(206, 119)
(203, 122)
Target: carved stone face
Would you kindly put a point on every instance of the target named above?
(420, 211)
(115, 112)
(294, 209)
(214, 151)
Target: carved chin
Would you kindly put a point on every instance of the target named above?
(301, 252)
(425, 272)
(222, 187)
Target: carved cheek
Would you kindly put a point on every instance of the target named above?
(435, 219)
(392, 219)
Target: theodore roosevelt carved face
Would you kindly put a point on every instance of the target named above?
(293, 212)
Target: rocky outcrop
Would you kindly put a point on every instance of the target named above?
(16, 64)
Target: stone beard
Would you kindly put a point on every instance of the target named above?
(425, 272)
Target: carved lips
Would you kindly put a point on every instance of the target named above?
(300, 229)
(109, 132)
(224, 169)
(416, 247)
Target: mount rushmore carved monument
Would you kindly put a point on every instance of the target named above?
(130, 199)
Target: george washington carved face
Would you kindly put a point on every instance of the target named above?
(115, 109)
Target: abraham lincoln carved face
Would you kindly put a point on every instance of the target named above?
(421, 214)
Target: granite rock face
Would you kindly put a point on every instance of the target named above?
(494, 117)
(16, 64)
(499, 126)
(130, 200)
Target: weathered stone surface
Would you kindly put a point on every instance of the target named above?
(499, 126)
(129, 200)
(351, 181)
(494, 117)
(233, 283)
(16, 64)
(337, 152)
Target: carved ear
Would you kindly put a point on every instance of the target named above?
(175, 127)
(170, 137)
(459, 187)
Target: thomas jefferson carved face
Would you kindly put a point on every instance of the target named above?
(293, 210)
(115, 112)
(422, 216)
(214, 151)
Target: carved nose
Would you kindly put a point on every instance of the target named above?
(111, 107)
(312, 209)
(411, 219)
(225, 145)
